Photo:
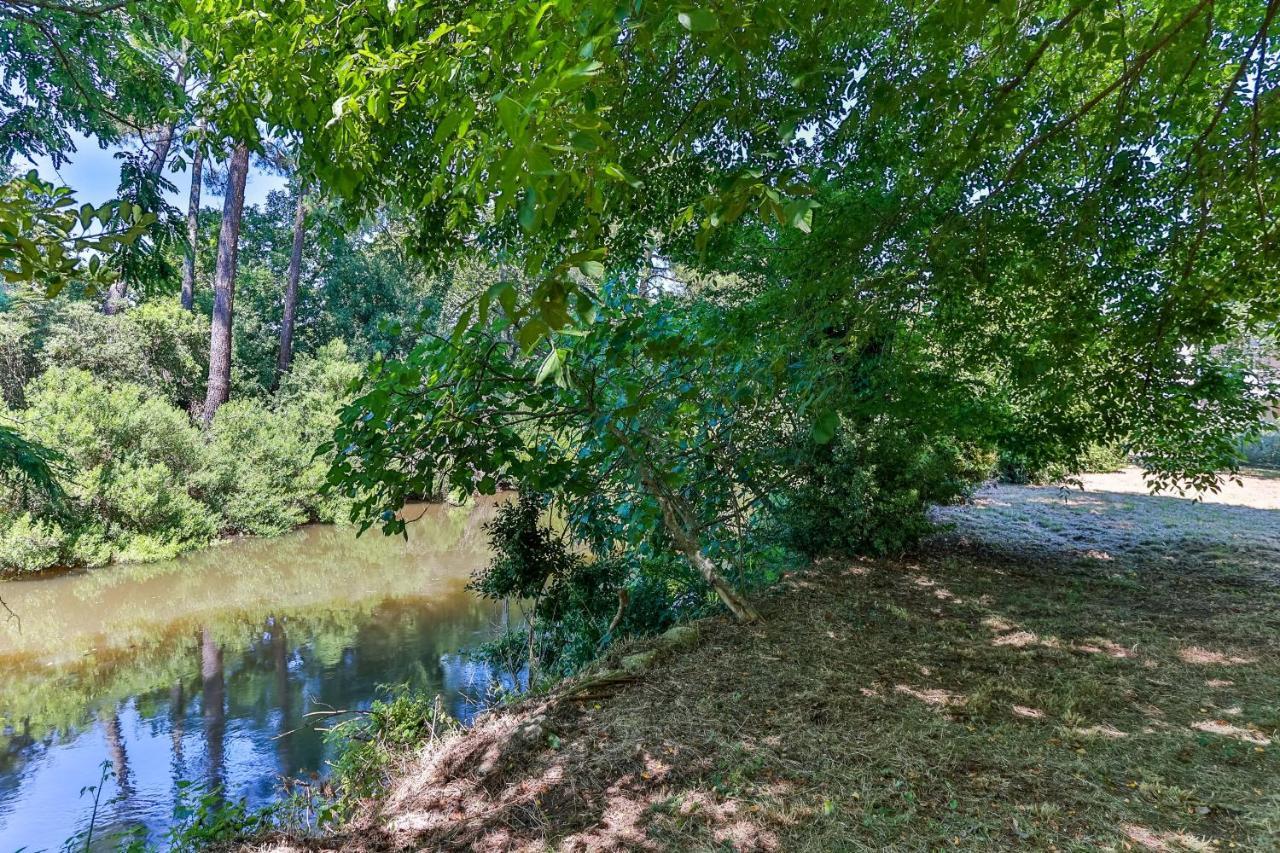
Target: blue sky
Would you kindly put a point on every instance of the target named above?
(94, 173)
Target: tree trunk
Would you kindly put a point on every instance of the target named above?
(676, 517)
(291, 287)
(193, 232)
(224, 284)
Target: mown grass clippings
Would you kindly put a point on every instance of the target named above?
(980, 695)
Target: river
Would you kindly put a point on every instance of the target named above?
(200, 669)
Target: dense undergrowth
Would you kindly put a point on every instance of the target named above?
(111, 397)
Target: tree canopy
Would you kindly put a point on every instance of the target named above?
(1072, 203)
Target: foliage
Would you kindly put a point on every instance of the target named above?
(88, 68)
(204, 818)
(978, 146)
(140, 480)
(568, 599)
(647, 449)
(46, 239)
(1096, 459)
(156, 345)
(1264, 450)
(394, 725)
(869, 490)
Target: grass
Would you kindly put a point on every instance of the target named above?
(1109, 684)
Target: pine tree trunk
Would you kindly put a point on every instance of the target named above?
(291, 287)
(224, 285)
(193, 232)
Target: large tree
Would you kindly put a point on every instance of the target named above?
(1133, 143)
(1047, 215)
(294, 274)
(224, 283)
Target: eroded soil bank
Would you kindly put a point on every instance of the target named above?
(1063, 670)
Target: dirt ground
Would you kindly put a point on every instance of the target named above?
(1060, 670)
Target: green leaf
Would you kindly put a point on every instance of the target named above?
(824, 428)
(549, 366)
(529, 210)
(698, 21)
(439, 33)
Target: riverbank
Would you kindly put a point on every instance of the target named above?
(1094, 669)
(201, 670)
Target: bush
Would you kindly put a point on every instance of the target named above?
(1095, 459)
(27, 545)
(393, 725)
(260, 467)
(157, 346)
(128, 457)
(141, 481)
(1263, 450)
(869, 491)
(254, 470)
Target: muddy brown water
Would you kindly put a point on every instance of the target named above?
(201, 669)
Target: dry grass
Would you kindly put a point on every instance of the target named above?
(1007, 688)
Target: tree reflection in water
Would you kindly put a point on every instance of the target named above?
(260, 631)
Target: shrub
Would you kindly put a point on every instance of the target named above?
(157, 346)
(1094, 459)
(28, 545)
(127, 458)
(260, 467)
(395, 724)
(1263, 450)
(577, 604)
(869, 491)
(253, 471)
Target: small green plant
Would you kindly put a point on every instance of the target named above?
(370, 741)
(204, 817)
(83, 840)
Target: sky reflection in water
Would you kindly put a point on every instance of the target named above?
(202, 668)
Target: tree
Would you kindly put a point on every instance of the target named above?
(641, 445)
(93, 68)
(291, 284)
(224, 284)
(1025, 224)
(142, 182)
(188, 296)
(571, 134)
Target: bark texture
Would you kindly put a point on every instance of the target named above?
(224, 285)
(678, 518)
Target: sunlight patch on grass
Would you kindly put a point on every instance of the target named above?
(1205, 657)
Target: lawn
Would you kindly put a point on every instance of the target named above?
(1063, 670)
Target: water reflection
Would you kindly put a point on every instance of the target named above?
(203, 668)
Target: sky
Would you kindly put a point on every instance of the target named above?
(94, 173)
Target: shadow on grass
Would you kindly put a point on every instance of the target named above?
(997, 690)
